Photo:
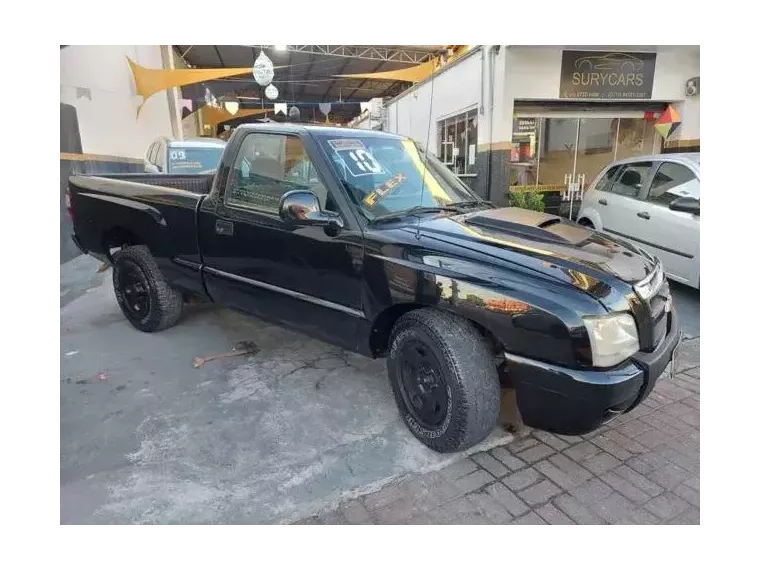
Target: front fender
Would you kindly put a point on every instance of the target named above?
(591, 214)
(529, 315)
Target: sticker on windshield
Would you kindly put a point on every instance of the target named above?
(356, 157)
(384, 188)
(346, 144)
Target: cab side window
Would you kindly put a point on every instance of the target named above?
(672, 181)
(268, 166)
(632, 179)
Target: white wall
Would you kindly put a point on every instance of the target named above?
(532, 73)
(107, 122)
(674, 67)
(454, 90)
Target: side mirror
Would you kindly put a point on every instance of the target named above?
(685, 204)
(152, 168)
(301, 207)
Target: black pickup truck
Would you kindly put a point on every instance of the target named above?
(360, 239)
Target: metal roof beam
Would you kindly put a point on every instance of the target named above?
(375, 53)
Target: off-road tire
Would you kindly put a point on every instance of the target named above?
(467, 368)
(165, 303)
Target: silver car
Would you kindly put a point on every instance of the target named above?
(652, 201)
(198, 155)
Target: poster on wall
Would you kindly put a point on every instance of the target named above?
(525, 125)
(606, 75)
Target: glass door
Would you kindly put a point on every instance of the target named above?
(556, 161)
(596, 149)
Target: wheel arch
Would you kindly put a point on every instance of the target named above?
(382, 325)
(592, 216)
(118, 237)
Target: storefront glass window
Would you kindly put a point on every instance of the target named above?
(636, 137)
(457, 142)
(547, 153)
(596, 148)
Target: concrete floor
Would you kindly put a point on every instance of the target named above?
(262, 439)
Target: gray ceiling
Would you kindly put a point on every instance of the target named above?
(307, 75)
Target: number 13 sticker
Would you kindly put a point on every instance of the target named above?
(365, 162)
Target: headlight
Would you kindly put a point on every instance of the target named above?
(613, 338)
(651, 284)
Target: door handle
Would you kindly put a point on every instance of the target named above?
(224, 228)
(644, 215)
(602, 201)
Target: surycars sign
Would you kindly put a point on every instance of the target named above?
(606, 75)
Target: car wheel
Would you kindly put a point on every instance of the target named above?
(444, 379)
(586, 223)
(144, 296)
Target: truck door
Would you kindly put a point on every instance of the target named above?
(302, 277)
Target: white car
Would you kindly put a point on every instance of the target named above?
(652, 201)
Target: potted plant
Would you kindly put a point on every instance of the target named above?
(527, 200)
(548, 194)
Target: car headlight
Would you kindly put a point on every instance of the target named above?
(651, 284)
(613, 338)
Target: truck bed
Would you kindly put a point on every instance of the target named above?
(156, 210)
(195, 183)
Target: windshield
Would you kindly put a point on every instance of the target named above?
(192, 160)
(386, 175)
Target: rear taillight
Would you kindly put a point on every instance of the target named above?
(67, 201)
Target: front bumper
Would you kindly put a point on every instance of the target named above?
(571, 402)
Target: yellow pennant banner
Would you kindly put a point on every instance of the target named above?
(412, 74)
(148, 81)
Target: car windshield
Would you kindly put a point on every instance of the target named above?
(193, 159)
(385, 175)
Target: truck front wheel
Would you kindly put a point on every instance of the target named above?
(144, 296)
(444, 380)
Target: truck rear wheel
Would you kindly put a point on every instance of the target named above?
(144, 296)
(444, 380)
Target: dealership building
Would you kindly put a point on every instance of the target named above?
(547, 117)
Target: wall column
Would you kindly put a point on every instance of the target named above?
(173, 95)
(494, 128)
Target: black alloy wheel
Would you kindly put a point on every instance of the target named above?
(422, 385)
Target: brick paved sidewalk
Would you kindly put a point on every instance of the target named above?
(642, 468)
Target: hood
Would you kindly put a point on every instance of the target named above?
(545, 243)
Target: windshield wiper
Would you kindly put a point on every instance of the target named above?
(466, 203)
(415, 210)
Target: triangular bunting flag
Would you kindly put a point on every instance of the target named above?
(668, 122)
